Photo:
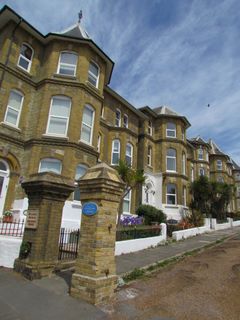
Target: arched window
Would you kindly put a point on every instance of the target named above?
(127, 202)
(200, 154)
(115, 152)
(3, 166)
(58, 118)
(219, 164)
(129, 154)
(93, 74)
(50, 165)
(67, 63)
(149, 156)
(118, 118)
(171, 130)
(14, 108)
(125, 121)
(202, 172)
(171, 194)
(171, 160)
(183, 163)
(87, 124)
(80, 171)
(25, 57)
(150, 128)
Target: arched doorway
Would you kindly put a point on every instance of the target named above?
(4, 179)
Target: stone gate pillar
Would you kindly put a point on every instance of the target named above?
(95, 277)
(47, 193)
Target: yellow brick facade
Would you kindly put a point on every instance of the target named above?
(22, 147)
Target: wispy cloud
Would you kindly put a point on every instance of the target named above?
(179, 53)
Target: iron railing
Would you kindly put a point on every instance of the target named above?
(68, 244)
(13, 229)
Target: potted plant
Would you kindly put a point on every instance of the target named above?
(8, 216)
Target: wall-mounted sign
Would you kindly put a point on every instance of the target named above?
(32, 219)
(89, 208)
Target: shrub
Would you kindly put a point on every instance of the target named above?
(195, 218)
(150, 214)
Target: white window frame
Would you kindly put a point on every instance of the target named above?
(219, 165)
(67, 64)
(125, 120)
(184, 163)
(171, 130)
(59, 117)
(76, 184)
(201, 172)
(87, 106)
(200, 154)
(207, 156)
(184, 196)
(10, 107)
(192, 174)
(149, 156)
(24, 58)
(171, 194)
(96, 78)
(150, 128)
(131, 154)
(128, 199)
(99, 143)
(118, 118)
(102, 111)
(50, 160)
(113, 152)
(171, 157)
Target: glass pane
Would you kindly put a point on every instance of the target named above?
(92, 79)
(68, 70)
(171, 126)
(126, 206)
(171, 133)
(128, 160)
(1, 184)
(60, 107)
(50, 165)
(129, 150)
(86, 133)
(116, 146)
(87, 116)
(171, 164)
(26, 52)
(3, 166)
(23, 63)
(12, 116)
(57, 125)
(15, 100)
(69, 58)
(93, 69)
(115, 158)
(80, 172)
(171, 199)
(171, 152)
(171, 189)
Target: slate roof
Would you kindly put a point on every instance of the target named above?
(235, 166)
(198, 140)
(215, 149)
(75, 31)
(166, 111)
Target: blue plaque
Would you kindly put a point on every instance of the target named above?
(89, 208)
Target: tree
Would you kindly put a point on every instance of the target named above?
(132, 178)
(200, 191)
(221, 195)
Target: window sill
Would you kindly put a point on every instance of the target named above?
(27, 73)
(64, 76)
(170, 171)
(8, 125)
(50, 136)
(171, 206)
(84, 142)
(92, 86)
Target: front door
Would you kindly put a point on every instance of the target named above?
(4, 178)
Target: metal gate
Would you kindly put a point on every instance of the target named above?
(68, 244)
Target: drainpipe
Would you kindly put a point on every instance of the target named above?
(9, 50)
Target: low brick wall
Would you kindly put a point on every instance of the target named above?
(128, 246)
(9, 250)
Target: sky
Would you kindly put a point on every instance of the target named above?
(179, 53)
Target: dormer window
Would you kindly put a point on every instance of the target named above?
(25, 57)
(150, 129)
(171, 130)
(67, 64)
(118, 118)
(125, 121)
(93, 74)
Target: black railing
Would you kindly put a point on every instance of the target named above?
(68, 244)
(136, 232)
(13, 229)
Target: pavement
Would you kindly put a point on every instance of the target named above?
(48, 298)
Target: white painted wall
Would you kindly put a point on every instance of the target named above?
(221, 226)
(236, 223)
(9, 250)
(155, 196)
(128, 246)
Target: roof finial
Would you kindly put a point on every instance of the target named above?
(80, 16)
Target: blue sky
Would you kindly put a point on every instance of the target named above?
(179, 53)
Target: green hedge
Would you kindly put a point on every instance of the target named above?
(150, 214)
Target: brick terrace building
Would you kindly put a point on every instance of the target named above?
(58, 113)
